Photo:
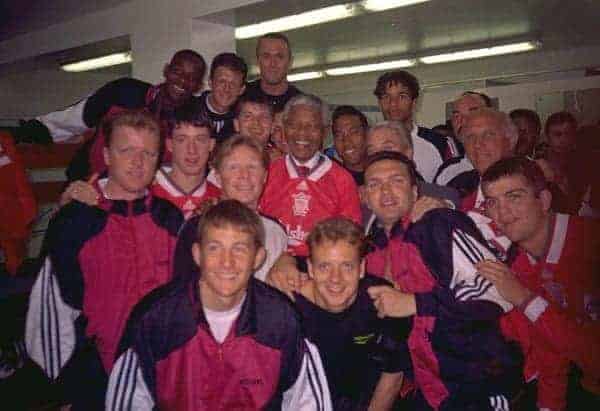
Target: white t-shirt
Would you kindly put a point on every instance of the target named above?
(220, 322)
(275, 244)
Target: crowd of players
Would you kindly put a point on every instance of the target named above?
(209, 255)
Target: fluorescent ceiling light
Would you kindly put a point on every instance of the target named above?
(309, 75)
(380, 5)
(99, 62)
(309, 18)
(341, 71)
(478, 53)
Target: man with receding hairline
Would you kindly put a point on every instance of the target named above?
(101, 260)
(467, 103)
(274, 55)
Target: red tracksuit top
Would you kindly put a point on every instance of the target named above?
(298, 203)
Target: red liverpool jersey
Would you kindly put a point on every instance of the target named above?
(164, 187)
(300, 202)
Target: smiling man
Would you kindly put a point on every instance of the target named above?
(183, 77)
(220, 340)
(274, 56)
(459, 357)
(363, 355)
(555, 256)
(227, 81)
(305, 186)
(349, 127)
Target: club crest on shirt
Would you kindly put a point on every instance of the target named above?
(189, 206)
(301, 205)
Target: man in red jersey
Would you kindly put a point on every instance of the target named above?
(305, 186)
(555, 257)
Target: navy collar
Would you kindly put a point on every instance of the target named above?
(378, 238)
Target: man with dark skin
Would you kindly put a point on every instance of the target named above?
(183, 76)
(349, 127)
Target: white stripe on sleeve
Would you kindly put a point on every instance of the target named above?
(467, 284)
(127, 389)
(310, 391)
(50, 325)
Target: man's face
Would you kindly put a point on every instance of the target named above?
(226, 86)
(242, 176)
(386, 139)
(515, 208)
(485, 141)
(131, 160)
(183, 78)
(254, 121)
(304, 131)
(349, 140)
(561, 137)
(336, 268)
(277, 136)
(396, 104)
(227, 257)
(274, 61)
(461, 108)
(191, 147)
(528, 136)
(388, 191)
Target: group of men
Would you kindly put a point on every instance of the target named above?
(399, 273)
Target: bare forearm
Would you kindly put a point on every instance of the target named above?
(386, 392)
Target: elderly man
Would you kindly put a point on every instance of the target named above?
(305, 186)
(397, 93)
(467, 103)
(460, 360)
(274, 56)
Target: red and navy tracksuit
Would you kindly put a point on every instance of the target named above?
(100, 262)
(171, 361)
(460, 360)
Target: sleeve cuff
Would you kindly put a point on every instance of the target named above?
(534, 308)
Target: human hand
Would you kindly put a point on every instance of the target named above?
(83, 191)
(390, 302)
(286, 278)
(505, 281)
(423, 205)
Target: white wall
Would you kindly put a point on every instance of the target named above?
(25, 95)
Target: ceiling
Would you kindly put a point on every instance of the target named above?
(22, 16)
(438, 25)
